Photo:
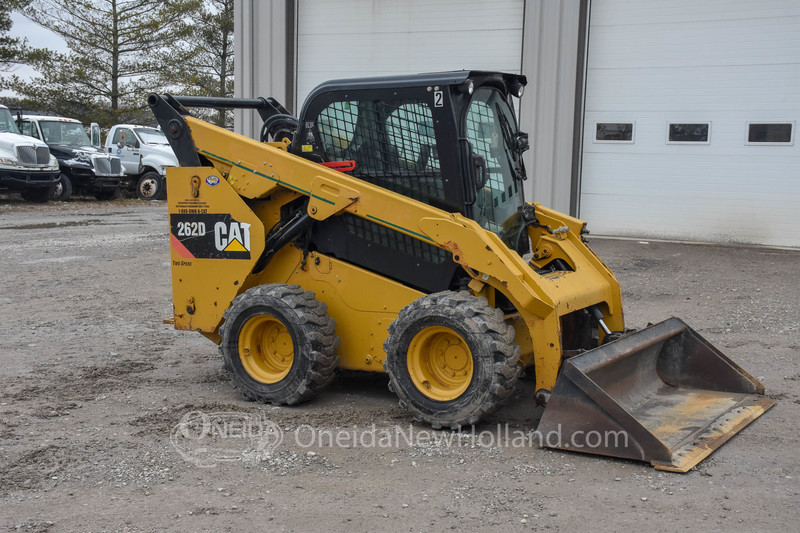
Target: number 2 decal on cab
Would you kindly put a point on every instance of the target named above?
(209, 236)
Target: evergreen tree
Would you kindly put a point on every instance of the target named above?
(208, 49)
(119, 51)
(13, 50)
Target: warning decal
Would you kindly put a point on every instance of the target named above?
(209, 236)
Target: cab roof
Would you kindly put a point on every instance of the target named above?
(430, 79)
(134, 126)
(455, 77)
(51, 118)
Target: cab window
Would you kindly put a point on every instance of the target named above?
(29, 128)
(125, 136)
(392, 142)
(490, 128)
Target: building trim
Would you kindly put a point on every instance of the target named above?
(580, 104)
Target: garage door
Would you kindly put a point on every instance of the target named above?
(357, 38)
(690, 121)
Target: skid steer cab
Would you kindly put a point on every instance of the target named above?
(385, 229)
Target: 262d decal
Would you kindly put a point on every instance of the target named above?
(209, 236)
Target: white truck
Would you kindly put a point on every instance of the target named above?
(145, 154)
(26, 164)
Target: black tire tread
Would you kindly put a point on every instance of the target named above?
(314, 323)
(160, 187)
(480, 317)
(66, 189)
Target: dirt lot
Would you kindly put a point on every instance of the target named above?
(94, 383)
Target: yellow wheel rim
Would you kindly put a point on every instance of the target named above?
(266, 349)
(439, 363)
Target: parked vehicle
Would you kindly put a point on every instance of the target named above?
(145, 154)
(85, 169)
(26, 164)
(377, 244)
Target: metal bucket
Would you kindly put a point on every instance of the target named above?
(663, 395)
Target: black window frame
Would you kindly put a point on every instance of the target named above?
(670, 123)
(749, 123)
(595, 140)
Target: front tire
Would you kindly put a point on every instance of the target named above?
(62, 191)
(279, 344)
(150, 187)
(451, 359)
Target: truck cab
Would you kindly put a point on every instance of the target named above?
(145, 154)
(85, 169)
(26, 164)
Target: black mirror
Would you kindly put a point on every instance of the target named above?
(521, 142)
(479, 173)
(137, 144)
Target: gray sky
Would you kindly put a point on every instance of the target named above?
(38, 37)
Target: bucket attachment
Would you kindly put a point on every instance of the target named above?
(663, 395)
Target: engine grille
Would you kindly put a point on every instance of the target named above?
(102, 166)
(33, 155)
(106, 165)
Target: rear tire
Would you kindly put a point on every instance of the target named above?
(150, 187)
(279, 344)
(62, 191)
(425, 361)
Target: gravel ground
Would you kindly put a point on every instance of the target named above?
(94, 384)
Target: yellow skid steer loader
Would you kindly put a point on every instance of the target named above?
(385, 229)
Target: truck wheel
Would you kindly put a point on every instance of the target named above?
(62, 191)
(149, 187)
(451, 359)
(38, 196)
(279, 344)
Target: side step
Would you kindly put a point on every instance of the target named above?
(663, 395)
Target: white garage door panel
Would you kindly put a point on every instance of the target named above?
(639, 12)
(694, 88)
(727, 135)
(340, 39)
(733, 42)
(387, 16)
(689, 206)
(726, 63)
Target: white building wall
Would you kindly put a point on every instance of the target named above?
(726, 62)
(364, 38)
(263, 56)
(378, 37)
(550, 60)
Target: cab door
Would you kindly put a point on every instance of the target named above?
(28, 127)
(127, 149)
